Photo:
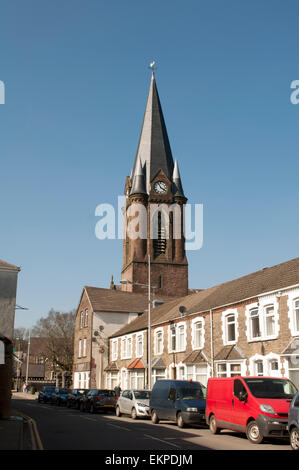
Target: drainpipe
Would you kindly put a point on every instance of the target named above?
(212, 342)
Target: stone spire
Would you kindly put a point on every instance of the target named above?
(154, 148)
(138, 180)
(176, 181)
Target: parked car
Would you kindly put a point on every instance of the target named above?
(98, 400)
(59, 396)
(45, 394)
(134, 403)
(257, 406)
(181, 401)
(74, 397)
(293, 422)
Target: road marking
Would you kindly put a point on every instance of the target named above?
(89, 419)
(161, 440)
(120, 427)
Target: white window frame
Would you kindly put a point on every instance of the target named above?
(114, 350)
(126, 347)
(228, 372)
(262, 305)
(81, 319)
(158, 331)
(266, 360)
(86, 318)
(177, 327)
(80, 348)
(139, 337)
(293, 296)
(194, 322)
(225, 314)
(158, 374)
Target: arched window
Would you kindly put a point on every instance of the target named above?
(160, 243)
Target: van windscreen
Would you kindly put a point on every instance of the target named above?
(271, 388)
(191, 393)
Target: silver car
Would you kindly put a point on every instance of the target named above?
(293, 423)
(134, 403)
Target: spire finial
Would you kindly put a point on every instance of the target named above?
(152, 67)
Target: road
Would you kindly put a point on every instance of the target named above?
(61, 428)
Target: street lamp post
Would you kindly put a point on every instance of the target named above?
(149, 359)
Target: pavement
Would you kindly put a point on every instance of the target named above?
(19, 432)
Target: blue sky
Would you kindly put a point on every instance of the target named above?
(76, 76)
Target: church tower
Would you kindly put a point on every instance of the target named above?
(155, 184)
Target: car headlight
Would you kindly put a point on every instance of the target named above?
(191, 409)
(142, 404)
(267, 409)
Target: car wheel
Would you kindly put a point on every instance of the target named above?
(213, 425)
(117, 412)
(180, 421)
(81, 407)
(133, 413)
(294, 438)
(253, 433)
(155, 418)
(91, 409)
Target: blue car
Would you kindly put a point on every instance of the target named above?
(181, 401)
(45, 394)
(59, 396)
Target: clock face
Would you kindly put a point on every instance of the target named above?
(160, 187)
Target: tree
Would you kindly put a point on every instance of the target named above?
(58, 330)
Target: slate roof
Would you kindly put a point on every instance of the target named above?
(112, 300)
(229, 353)
(195, 357)
(5, 265)
(252, 285)
(158, 363)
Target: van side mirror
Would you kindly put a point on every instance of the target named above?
(243, 396)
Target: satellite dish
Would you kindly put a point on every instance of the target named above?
(101, 328)
(96, 333)
(182, 309)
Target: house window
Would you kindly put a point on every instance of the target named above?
(139, 346)
(270, 320)
(114, 350)
(254, 324)
(259, 368)
(181, 373)
(137, 379)
(126, 348)
(80, 348)
(230, 328)
(228, 369)
(81, 320)
(177, 338)
(198, 334)
(112, 380)
(86, 318)
(181, 338)
(158, 374)
(296, 309)
(159, 342)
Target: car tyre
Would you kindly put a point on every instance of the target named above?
(180, 421)
(82, 407)
(155, 418)
(91, 409)
(117, 412)
(213, 425)
(253, 433)
(134, 413)
(294, 438)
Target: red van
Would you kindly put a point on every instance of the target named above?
(257, 406)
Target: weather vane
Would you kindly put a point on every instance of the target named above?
(152, 66)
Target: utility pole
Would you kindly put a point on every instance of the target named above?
(28, 353)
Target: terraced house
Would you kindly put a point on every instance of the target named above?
(248, 326)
